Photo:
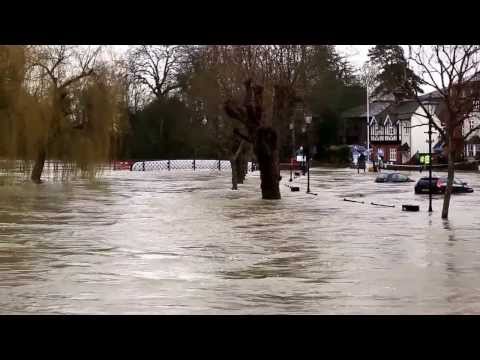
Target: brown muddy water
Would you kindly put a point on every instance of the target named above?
(181, 242)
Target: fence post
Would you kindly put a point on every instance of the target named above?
(193, 164)
(143, 166)
(219, 166)
(168, 165)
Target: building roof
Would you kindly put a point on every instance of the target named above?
(475, 139)
(405, 109)
(433, 95)
(360, 111)
(397, 112)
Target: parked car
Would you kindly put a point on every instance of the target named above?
(392, 178)
(439, 184)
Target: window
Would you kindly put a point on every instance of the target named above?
(476, 105)
(391, 130)
(393, 154)
(399, 178)
(469, 150)
(406, 129)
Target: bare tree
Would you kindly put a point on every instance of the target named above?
(368, 76)
(156, 67)
(453, 72)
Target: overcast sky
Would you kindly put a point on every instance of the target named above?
(357, 54)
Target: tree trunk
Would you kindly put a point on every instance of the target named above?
(261, 132)
(451, 174)
(242, 163)
(233, 164)
(38, 166)
(266, 150)
(239, 168)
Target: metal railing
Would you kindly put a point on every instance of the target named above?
(169, 165)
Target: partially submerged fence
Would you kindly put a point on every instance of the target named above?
(193, 164)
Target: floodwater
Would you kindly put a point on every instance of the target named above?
(181, 242)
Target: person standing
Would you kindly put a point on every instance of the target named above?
(361, 163)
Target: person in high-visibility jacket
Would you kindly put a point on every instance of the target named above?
(424, 161)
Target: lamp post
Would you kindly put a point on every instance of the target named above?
(430, 165)
(430, 108)
(203, 123)
(308, 121)
(291, 126)
(368, 125)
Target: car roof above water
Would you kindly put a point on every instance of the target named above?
(433, 177)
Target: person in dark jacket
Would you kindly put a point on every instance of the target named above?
(361, 163)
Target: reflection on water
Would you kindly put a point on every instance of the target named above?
(182, 242)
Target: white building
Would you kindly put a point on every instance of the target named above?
(472, 143)
(418, 137)
(399, 129)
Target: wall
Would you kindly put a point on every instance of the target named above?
(418, 136)
(475, 122)
(386, 152)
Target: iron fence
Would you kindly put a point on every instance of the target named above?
(168, 165)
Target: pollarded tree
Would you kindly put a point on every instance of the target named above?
(214, 74)
(260, 131)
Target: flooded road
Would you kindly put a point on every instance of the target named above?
(181, 242)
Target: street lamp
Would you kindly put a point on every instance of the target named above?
(291, 126)
(430, 107)
(368, 125)
(203, 123)
(308, 121)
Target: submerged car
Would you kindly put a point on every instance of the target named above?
(392, 178)
(439, 185)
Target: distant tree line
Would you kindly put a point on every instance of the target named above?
(86, 105)
(180, 86)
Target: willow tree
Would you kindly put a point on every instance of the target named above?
(67, 109)
(12, 74)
